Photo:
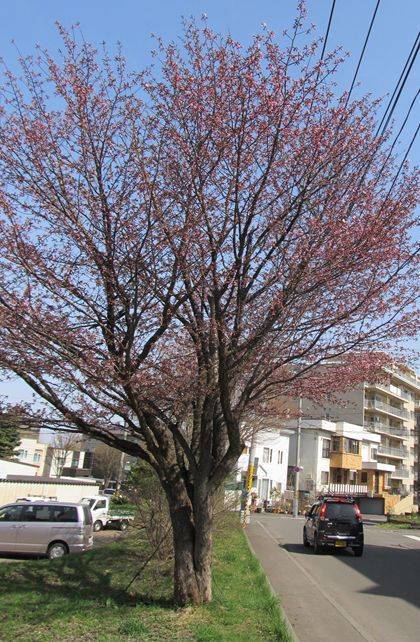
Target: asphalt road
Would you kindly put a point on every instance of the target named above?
(336, 596)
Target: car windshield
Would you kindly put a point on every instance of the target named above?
(340, 510)
(88, 501)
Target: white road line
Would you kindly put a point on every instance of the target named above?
(328, 597)
(413, 537)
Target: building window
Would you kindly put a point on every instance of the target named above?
(267, 455)
(280, 457)
(374, 454)
(75, 460)
(88, 459)
(23, 454)
(336, 444)
(326, 448)
(363, 478)
(351, 446)
(37, 458)
(324, 477)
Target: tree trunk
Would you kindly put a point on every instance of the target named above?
(192, 534)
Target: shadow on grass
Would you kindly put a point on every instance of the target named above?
(97, 579)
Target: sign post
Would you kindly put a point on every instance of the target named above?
(247, 494)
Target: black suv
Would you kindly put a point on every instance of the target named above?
(334, 522)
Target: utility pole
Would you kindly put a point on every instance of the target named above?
(297, 467)
(245, 516)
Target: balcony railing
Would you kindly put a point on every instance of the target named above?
(378, 426)
(407, 378)
(386, 407)
(344, 489)
(400, 473)
(397, 392)
(393, 452)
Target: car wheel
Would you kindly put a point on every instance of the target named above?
(57, 549)
(97, 526)
(305, 539)
(123, 525)
(358, 551)
(317, 545)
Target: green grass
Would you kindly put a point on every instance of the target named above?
(402, 521)
(389, 526)
(84, 598)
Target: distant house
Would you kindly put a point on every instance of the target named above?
(31, 451)
(271, 459)
(340, 457)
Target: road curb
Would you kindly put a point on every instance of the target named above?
(289, 627)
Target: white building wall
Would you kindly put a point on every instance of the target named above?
(270, 475)
(8, 467)
(31, 451)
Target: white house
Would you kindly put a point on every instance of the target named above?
(270, 464)
(334, 454)
(32, 452)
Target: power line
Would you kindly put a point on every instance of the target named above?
(402, 162)
(398, 83)
(405, 120)
(363, 50)
(400, 90)
(328, 30)
(396, 137)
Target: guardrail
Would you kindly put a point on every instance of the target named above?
(386, 407)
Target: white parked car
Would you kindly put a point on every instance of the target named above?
(45, 528)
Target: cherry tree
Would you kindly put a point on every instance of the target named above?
(183, 246)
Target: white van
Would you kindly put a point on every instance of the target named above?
(45, 528)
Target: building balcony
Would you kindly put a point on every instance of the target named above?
(411, 381)
(390, 390)
(347, 461)
(381, 406)
(379, 427)
(345, 489)
(400, 473)
(389, 451)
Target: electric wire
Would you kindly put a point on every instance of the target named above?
(397, 136)
(404, 122)
(328, 30)
(402, 162)
(398, 83)
(363, 51)
(400, 90)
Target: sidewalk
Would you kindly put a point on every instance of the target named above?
(374, 519)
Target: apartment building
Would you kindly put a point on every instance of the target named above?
(387, 410)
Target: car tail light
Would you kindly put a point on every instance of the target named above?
(323, 509)
(358, 513)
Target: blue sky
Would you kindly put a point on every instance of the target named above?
(131, 22)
